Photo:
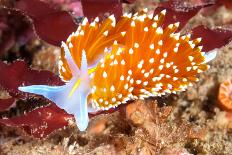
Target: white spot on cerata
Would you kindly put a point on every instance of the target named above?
(190, 58)
(131, 89)
(140, 64)
(199, 71)
(145, 83)
(85, 21)
(93, 24)
(163, 12)
(122, 62)
(188, 68)
(146, 29)
(161, 67)
(162, 60)
(175, 78)
(145, 10)
(115, 62)
(119, 51)
(131, 51)
(102, 65)
(175, 36)
(168, 65)
(146, 75)
(183, 37)
(129, 15)
(157, 51)
(193, 63)
(113, 99)
(160, 43)
(176, 71)
(126, 86)
(100, 100)
(154, 79)
(106, 102)
(112, 57)
(152, 60)
(154, 25)
(96, 19)
(177, 24)
(121, 77)
(156, 18)
(112, 88)
(170, 26)
(150, 16)
(176, 49)
(136, 45)
(184, 79)
(123, 33)
(195, 67)
(104, 74)
(152, 46)
(130, 72)
(113, 20)
(70, 45)
(159, 30)
(105, 33)
(119, 95)
(82, 33)
(138, 81)
(169, 86)
(133, 24)
(165, 54)
(115, 42)
(192, 45)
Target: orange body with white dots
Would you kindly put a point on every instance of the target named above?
(105, 64)
(144, 59)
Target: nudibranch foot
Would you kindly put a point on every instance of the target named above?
(74, 92)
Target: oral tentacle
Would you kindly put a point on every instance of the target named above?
(72, 65)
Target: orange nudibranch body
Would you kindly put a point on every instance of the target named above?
(133, 58)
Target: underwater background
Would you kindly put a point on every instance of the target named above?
(195, 121)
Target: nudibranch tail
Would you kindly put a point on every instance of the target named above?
(210, 55)
(71, 97)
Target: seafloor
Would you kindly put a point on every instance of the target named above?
(189, 122)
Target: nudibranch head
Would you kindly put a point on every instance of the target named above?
(225, 95)
(107, 63)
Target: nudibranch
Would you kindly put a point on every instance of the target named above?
(225, 95)
(105, 64)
